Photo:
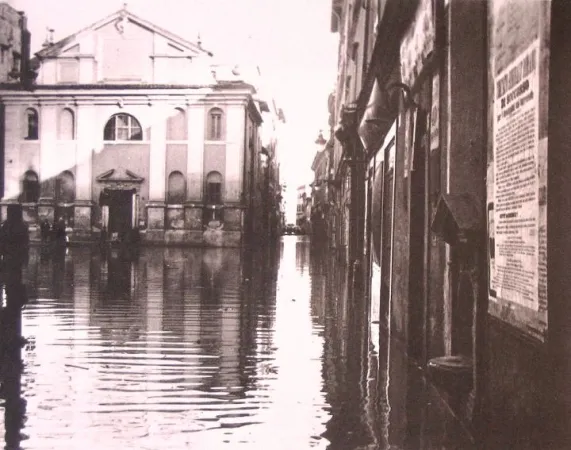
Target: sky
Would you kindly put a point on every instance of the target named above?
(290, 40)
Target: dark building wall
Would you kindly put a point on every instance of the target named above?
(559, 218)
(466, 158)
(400, 254)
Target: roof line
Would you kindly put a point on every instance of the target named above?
(117, 14)
(129, 86)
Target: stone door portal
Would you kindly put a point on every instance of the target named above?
(120, 203)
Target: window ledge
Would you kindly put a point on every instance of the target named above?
(126, 142)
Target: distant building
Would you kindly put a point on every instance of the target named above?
(14, 45)
(14, 57)
(264, 203)
(321, 193)
(131, 127)
(303, 209)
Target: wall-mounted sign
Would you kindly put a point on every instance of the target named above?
(517, 205)
(516, 188)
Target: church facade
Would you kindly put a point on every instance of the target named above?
(131, 129)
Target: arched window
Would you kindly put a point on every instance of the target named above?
(177, 126)
(123, 127)
(30, 187)
(214, 188)
(215, 116)
(176, 190)
(66, 130)
(65, 187)
(31, 131)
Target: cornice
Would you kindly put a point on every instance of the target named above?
(122, 98)
(66, 56)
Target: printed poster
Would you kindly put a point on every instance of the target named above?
(514, 214)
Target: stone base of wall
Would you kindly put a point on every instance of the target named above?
(81, 235)
(191, 238)
(183, 237)
(186, 220)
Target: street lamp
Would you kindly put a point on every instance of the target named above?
(320, 142)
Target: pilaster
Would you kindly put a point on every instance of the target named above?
(12, 137)
(196, 115)
(89, 138)
(157, 170)
(48, 121)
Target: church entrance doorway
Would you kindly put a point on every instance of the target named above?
(118, 211)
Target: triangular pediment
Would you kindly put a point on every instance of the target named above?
(122, 20)
(119, 176)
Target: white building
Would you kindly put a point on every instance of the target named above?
(133, 128)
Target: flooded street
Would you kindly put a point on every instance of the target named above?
(214, 348)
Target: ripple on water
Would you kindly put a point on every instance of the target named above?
(144, 354)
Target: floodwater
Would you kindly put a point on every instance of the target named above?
(213, 348)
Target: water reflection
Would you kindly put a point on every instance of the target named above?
(201, 348)
(13, 298)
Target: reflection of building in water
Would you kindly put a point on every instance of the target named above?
(318, 273)
(301, 254)
(193, 297)
(349, 367)
(13, 298)
(120, 277)
(212, 272)
(50, 276)
(220, 317)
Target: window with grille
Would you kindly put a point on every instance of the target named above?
(32, 124)
(30, 187)
(123, 127)
(214, 188)
(215, 124)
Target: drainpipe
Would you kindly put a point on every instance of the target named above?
(245, 221)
